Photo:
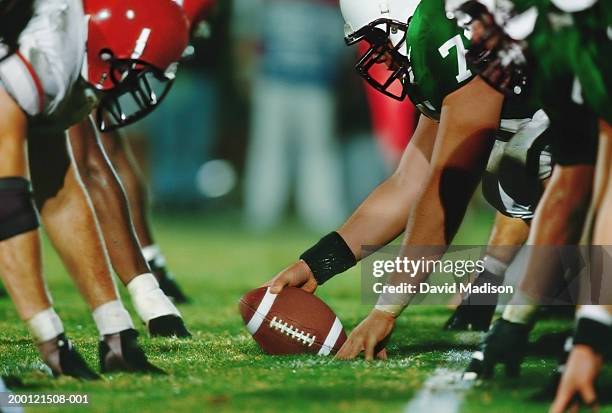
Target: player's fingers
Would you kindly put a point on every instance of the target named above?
(369, 348)
(279, 282)
(310, 286)
(574, 405)
(589, 397)
(350, 349)
(270, 282)
(382, 354)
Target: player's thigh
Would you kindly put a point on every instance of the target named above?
(603, 225)
(13, 127)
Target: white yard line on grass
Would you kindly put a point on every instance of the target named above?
(444, 390)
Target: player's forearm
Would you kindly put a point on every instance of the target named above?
(462, 147)
(377, 221)
(438, 213)
(431, 227)
(381, 217)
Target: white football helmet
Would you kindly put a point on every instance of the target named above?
(383, 25)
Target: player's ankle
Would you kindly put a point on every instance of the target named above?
(149, 300)
(111, 318)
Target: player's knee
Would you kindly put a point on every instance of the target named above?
(17, 212)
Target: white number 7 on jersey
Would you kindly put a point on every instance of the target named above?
(464, 72)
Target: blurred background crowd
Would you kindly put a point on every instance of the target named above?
(267, 116)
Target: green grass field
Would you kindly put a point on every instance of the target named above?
(222, 369)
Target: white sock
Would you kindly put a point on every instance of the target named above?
(495, 266)
(149, 301)
(521, 309)
(45, 325)
(596, 313)
(111, 318)
(153, 253)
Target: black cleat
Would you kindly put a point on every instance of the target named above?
(549, 391)
(470, 318)
(552, 345)
(167, 283)
(121, 352)
(505, 343)
(63, 359)
(476, 310)
(168, 326)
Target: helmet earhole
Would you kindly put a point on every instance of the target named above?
(106, 55)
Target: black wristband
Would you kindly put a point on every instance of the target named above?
(593, 334)
(328, 257)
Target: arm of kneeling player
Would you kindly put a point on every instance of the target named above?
(468, 120)
(383, 214)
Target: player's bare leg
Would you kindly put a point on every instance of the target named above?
(603, 226)
(573, 381)
(122, 158)
(105, 190)
(507, 237)
(558, 221)
(20, 254)
(71, 224)
(154, 308)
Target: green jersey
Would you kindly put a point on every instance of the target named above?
(436, 51)
(573, 57)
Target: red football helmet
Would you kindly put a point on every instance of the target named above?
(133, 47)
(196, 10)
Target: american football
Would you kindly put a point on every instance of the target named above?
(292, 322)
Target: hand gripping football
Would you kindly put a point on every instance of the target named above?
(292, 322)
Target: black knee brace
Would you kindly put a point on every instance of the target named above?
(17, 212)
